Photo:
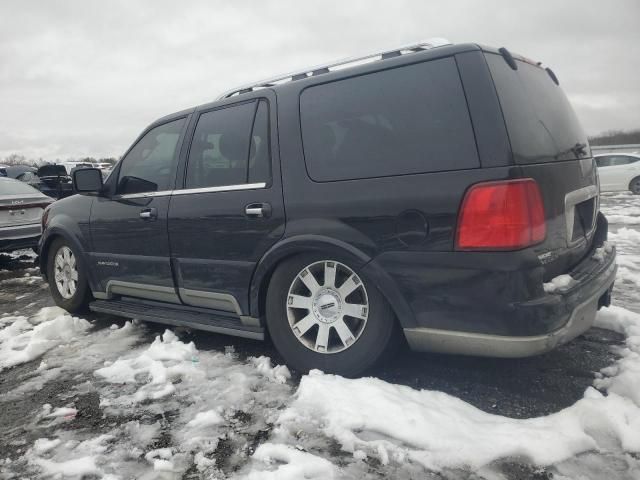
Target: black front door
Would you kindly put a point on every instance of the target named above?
(129, 224)
(230, 209)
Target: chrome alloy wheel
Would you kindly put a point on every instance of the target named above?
(65, 272)
(327, 307)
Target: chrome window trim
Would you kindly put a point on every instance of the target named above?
(571, 199)
(161, 193)
(188, 191)
(225, 188)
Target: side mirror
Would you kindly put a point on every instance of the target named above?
(87, 180)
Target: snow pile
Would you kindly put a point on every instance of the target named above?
(600, 254)
(166, 361)
(278, 374)
(203, 398)
(628, 265)
(560, 282)
(291, 464)
(625, 234)
(396, 424)
(24, 339)
(622, 378)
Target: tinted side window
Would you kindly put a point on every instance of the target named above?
(230, 147)
(621, 160)
(603, 161)
(411, 119)
(259, 155)
(150, 164)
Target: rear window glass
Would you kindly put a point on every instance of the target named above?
(16, 187)
(541, 123)
(411, 119)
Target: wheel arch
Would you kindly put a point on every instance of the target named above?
(54, 232)
(634, 179)
(357, 258)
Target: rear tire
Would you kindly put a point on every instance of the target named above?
(67, 277)
(298, 316)
(634, 186)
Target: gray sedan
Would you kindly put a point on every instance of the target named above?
(21, 208)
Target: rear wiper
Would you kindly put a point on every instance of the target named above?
(579, 149)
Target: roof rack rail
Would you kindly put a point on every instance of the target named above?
(336, 65)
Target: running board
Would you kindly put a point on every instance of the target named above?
(179, 316)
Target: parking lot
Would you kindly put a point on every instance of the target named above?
(100, 396)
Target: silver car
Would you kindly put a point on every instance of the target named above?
(21, 208)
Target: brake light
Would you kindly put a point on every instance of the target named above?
(503, 215)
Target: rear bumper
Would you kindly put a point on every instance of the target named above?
(18, 237)
(493, 304)
(583, 300)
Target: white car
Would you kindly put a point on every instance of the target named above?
(619, 172)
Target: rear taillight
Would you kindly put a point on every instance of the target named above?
(503, 215)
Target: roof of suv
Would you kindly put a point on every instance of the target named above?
(387, 60)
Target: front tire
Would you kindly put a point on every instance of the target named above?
(322, 313)
(67, 278)
(634, 186)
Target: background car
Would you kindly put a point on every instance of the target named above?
(619, 172)
(13, 171)
(52, 180)
(21, 208)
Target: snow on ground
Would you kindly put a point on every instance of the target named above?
(205, 398)
(128, 403)
(23, 339)
(397, 424)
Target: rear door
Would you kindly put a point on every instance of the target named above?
(129, 225)
(229, 211)
(549, 145)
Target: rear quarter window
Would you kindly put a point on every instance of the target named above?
(410, 119)
(541, 123)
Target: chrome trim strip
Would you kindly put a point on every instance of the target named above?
(141, 290)
(161, 193)
(571, 199)
(215, 300)
(188, 191)
(225, 188)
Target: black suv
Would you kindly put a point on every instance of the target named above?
(427, 192)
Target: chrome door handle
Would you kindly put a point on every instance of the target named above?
(148, 214)
(257, 210)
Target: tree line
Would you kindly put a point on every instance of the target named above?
(16, 159)
(616, 137)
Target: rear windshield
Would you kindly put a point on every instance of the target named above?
(411, 119)
(15, 187)
(541, 123)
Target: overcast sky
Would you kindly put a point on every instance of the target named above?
(82, 78)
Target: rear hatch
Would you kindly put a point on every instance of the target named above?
(549, 146)
(52, 171)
